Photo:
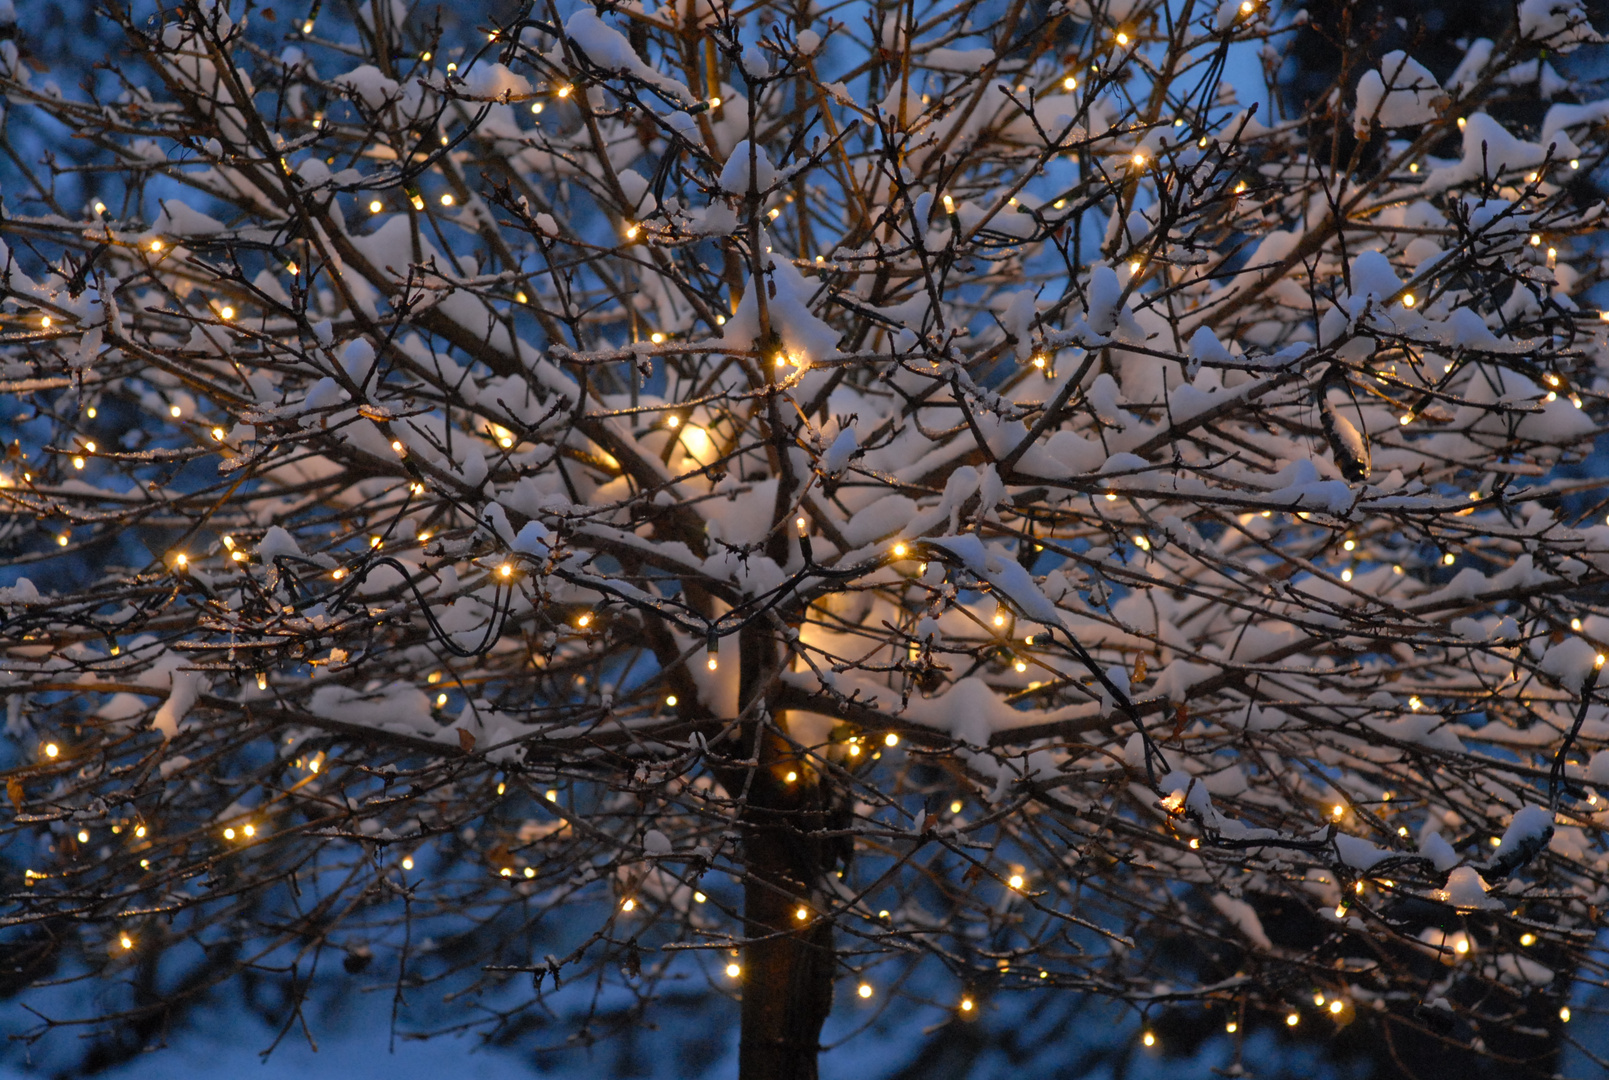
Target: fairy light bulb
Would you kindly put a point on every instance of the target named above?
(1149, 1038)
(864, 990)
(733, 970)
(712, 652)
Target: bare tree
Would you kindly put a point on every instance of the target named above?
(782, 497)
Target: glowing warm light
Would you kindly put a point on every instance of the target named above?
(175, 412)
(715, 103)
(249, 830)
(791, 777)
(338, 573)
(1122, 38)
(139, 831)
(1014, 881)
(900, 551)
(627, 904)
(1021, 666)
(100, 207)
(226, 313)
(441, 701)
(78, 462)
(864, 990)
(229, 834)
(1292, 1019)
(1231, 1027)
(375, 206)
(125, 941)
(802, 913)
(1069, 83)
(1408, 300)
(156, 245)
(447, 198)
(551, 795)
(506, 570)
(83, 836)
(699, 898)
(1336, 1007)
(966, 1004)
(1461, 947)
(1527, 939)
(181, 560)
(891, 739)
(670, 700)
(1149, 1039)
(1448, 559)
(1338, 810)
(52, 750)
(733, 971)
(1564, 1014)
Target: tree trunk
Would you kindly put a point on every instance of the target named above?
(788, 964)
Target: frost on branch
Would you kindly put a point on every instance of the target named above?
(643, 474)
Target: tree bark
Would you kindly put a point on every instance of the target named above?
(788, 964)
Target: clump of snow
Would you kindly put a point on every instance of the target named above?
(841, 451)
(1569, 662)
(735, 174)
(609, 49)
(1438, 851)
(276, 542)
(188, 686)
(804, 335)
(532, 540)
(23, 592)
(1244, 916)
(1562, 24)
(1467, 892)
(369, 85)
(1402, 93)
